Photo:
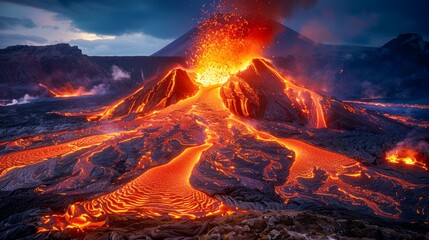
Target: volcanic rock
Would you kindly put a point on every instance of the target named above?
(155, 95)
(291, 225)
(260, 92)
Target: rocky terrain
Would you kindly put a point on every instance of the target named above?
(172, 149)
(280, 224)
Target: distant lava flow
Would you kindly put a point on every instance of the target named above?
(405, 155)
(398, 105)
(310, 173)
(67, 91)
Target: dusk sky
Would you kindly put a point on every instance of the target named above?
(142, 27)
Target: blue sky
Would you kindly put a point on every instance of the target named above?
(141, 27)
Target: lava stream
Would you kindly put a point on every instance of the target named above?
(36, 155)
(308, 158)
(161, 190)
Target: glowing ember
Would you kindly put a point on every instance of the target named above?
(68, 91)
(408, 156)
(225, 45)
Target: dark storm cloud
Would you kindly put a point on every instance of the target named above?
(353, 21)
(20, 39)
(11, 23)
(159, 18)
(275, 9)
(364, 21)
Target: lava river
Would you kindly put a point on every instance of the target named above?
(167, 190)
(178, 159)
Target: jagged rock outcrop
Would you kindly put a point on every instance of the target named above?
(155, 95)
(260, 92)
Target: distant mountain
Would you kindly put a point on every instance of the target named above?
(286, 42)
(22, 68)
(399, 69)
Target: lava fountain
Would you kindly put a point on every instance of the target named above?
(225, 45)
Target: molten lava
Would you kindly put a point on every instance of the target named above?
(167, 190)
(159, 191)
(389, 105)
(67, 91)
(33, 156)
(407, 156)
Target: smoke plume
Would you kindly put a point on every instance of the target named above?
(25, 99)
(119, 74)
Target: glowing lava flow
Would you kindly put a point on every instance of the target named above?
(166, 190)
(68, 91)
(406, 156)
(33, 156)
(308, 158)
(399, 105)
(161, 190)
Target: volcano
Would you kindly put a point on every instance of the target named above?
(286, 42)
(226, 147)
